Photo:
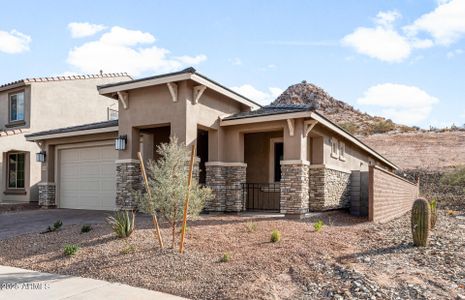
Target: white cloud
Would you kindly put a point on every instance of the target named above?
(192, 60)
(14, 42)
(256, 95)
(446, 24)
(382, 42)
(402, 103)
(236, 61)
(121, 50)
(79, 30)
(454, 53)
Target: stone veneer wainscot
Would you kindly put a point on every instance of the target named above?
(328, 188)
(225, 180)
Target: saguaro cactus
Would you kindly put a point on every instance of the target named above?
(421, 222)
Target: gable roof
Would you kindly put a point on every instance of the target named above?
(186, 74)
(275, 112)
(272, 109)
(26, 81)
(98, 127)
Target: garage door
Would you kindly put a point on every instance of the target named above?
(88, 178)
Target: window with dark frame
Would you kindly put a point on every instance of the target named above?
(16, 170)
(17, 107)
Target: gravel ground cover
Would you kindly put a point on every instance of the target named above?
(347, 259)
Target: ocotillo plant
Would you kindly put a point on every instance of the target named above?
(421, 222)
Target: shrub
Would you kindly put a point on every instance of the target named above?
(454, 178)
(70, 250)
(226, 257)
(383, 126)
(251, 226)
(350, 127)
(168, 186)
(86, 228)
(318, 225)
(122, 223)
(128, 249)
(434, 212)
(54, 227)
(275, 236)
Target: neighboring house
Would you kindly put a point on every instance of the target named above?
(286, 158)
(38, 104)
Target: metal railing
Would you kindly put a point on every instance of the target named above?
(261, 196)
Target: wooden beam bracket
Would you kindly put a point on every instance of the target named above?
(291, 126)
(309, 126)
(124, 98)
(173, 87)
(198, 91)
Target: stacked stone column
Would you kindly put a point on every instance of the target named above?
(47, 194)
(226, 179)
(128, 181)
(294, 187)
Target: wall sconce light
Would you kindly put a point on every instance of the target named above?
(40, 157)
(120, 142)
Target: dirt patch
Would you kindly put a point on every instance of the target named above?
(348, 258)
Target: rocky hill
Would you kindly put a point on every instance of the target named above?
(408, 147)
(343, 114)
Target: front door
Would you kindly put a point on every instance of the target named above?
(278, 157)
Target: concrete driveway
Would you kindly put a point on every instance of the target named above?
(21, 222)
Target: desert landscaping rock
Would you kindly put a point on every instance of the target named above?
(350, 259)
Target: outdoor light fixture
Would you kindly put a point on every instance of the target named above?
(120, 142)
(40, 157)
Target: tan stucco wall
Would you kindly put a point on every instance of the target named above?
(153, 106)
(49, 167)
(355, 158)
(49, 105)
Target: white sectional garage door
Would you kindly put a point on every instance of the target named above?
(87, 178)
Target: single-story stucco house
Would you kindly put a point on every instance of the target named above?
(285, 158)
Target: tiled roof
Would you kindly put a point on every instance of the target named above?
(90, 126)
(61, 78)
(272, 109)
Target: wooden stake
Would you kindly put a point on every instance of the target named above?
(154, 214)
(186, 202)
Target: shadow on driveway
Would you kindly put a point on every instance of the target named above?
(22, 222)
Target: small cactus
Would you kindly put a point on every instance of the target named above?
(421, 222)
(434, 212)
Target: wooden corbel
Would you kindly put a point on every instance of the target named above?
(309, 126)
(291, 126)
(198, 91)
(173, 87)
(124, 98)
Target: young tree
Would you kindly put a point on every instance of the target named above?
(168, 185)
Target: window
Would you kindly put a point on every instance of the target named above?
(17, 107)
(16, 170)
(334, 148)
(342, 151)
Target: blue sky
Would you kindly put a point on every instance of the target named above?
(404, 60)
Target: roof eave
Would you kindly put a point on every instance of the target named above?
(316, 116)
(16, 85)
(124, 86)
(35, 138)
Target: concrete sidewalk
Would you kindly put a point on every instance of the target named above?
(22, 284)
